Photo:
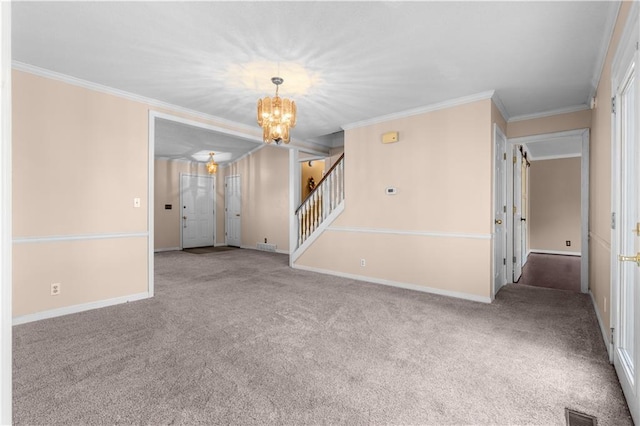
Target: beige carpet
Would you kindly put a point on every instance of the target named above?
(239, 338)
(552, 271)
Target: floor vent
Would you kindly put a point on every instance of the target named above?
(575, 418)
(266, 247)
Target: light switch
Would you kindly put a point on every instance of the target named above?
(136, 202)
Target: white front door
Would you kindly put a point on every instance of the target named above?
(197, 195)
(499, 209)
(233, 203)
(517, 213)
(625, 313)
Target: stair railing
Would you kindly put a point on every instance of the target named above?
(319, 204)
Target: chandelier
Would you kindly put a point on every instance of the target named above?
(212, 166)
(276, 116)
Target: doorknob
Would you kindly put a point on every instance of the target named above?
(237, 215)
(498, 221)
(635, 258)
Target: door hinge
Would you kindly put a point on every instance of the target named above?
(612, 334)
(515, 210)
(504, 260)
(504, 155)
(613, 105)
(613, 220)
(514, 160)
(514, 259)
(637, 45)
(504, 209)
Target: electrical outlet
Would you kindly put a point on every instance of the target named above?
(363, 262)
(55, 289)
(568, 243)
(136, 202)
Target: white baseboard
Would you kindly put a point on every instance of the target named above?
(220, 244)
(159, 250)
(23, 319)
(604, 331)
(407, 286)
(563, 253)
(265, 251)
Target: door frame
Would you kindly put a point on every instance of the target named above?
(215, 230)
(583, 136)
(626, 51)
(497, 132)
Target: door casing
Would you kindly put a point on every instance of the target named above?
(583, 136)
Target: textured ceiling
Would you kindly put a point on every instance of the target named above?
(342, 62)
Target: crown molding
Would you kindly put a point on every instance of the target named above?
(421, 110)
(42, 72)
(610, 26)
(567, 110)
(237, 129)
(498, 103)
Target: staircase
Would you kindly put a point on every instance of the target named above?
(321, 207)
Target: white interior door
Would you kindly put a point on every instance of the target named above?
(626, 245)
(524, 207)
(197, 195)
(500, 209)
(233, 203)
(517, 213)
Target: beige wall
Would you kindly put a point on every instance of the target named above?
(79, 159)
(264, 177)
(551, 124)
(554, 216)
(167, 191)
(442, 168)
(315, 171)
(600, 182)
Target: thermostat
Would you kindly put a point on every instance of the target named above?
(391, 190)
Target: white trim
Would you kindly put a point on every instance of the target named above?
(249, 137)
(421, 110)
(609, 26)
(543, 114)
(402, 232)
(324, 226)
(294, 195)
(559, 252)
(164, 249)
(151, 173)
(6, 361)
(407, 286)
(584, 195)
(523, 140)
(23, 319)
(155, 103)
(625, 45)
(279, 251)
(552, 157)
(56, 238)
(498, 103)
(218, 245)
(603, 330)
(42, 72)
(584, 211)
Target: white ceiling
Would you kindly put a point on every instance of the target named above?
(342, 62)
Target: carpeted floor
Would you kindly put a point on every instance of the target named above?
(552, 271)
(239, 338)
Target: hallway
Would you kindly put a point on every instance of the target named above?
(552, 271)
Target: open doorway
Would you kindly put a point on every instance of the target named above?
(547, 192)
